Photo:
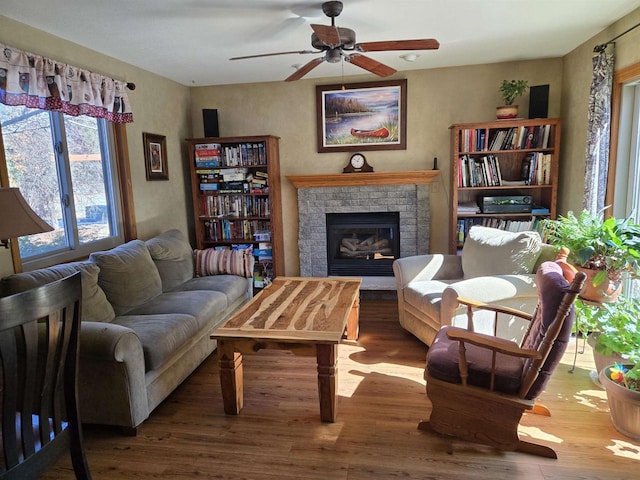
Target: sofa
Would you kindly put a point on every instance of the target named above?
(148, 309)
(496, 267)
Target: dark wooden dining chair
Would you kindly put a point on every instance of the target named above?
(39, 331)
(480, 385)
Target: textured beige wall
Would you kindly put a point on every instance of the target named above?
(436, 99)
(159, 105)
(575, 95)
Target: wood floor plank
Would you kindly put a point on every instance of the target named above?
(381, 399)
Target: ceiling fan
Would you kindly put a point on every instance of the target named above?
(336, 42)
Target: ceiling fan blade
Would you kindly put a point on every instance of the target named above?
(303, 70)
(327, 34)
(273, 54)
(424, 44)
(370, 64)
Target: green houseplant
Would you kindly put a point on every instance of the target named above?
(615, 330)
(618, 326)
(510, 90)
(605, 249)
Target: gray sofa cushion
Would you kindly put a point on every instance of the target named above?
(128, 275)
(200, 304)
(161, 335)
(173, 256)
(95, 307)
(232, 286)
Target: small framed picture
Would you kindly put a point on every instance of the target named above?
(155, 156)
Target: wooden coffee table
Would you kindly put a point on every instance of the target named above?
(305, 315)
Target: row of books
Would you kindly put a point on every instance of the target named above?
(479, 171)
(228, 230)
(235, 206)
(465, 224)
(514, 138)
(233, 180)
(536, 168)
(218, 155)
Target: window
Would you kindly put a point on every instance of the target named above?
(66, 171)
(626, 193)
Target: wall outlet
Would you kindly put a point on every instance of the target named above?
(435, 187)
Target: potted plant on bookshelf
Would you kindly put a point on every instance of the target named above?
(510, 90)
(605, 249)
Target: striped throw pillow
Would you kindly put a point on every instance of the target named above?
(220, 262)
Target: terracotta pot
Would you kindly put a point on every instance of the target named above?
(506, 112)
(607, 291)
(624, 405)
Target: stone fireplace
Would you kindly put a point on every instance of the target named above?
(406, 193)
(362, 244)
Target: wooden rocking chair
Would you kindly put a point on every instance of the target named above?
(480, 385)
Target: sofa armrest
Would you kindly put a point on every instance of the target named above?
(489, 289)
(112, 386)
(426, 267)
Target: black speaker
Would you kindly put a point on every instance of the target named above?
(210, 121)
(539, 101)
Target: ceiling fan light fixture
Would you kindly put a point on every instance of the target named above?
(409, 57)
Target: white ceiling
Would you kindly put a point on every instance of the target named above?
(191, 41)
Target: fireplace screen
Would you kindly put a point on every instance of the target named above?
(362, 244)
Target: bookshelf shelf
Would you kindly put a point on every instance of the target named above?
(235, 185)
(507, 159)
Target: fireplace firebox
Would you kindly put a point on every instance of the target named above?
(362, 244)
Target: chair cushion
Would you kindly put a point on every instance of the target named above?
(173, 256)
(491, 251)
(551, 288)
(128, 275)
(442, 363)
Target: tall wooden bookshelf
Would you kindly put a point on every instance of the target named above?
(504, 163)
(235, 185)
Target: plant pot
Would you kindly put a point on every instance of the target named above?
(601, 360)
(624, 405)
(607, 291)
(505, 112)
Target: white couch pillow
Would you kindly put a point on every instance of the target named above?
(491, 251)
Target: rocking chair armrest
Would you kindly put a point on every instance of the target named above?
(494, 308)
(495, 344)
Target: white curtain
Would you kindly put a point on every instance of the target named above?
(598, 129)
(38, 82)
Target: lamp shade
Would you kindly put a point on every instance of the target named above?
(16, 216)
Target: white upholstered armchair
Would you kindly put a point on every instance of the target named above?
(496, 267)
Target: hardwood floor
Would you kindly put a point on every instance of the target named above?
(382, 398)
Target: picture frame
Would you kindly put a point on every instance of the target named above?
(373, 118)
(155, 156)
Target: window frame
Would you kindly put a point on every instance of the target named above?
(122, 196)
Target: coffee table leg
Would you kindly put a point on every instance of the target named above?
(327, 355)
(230, 377)
(353, 320)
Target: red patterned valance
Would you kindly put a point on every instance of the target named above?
(38, 82)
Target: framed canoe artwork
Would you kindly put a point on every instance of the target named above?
(362, 116)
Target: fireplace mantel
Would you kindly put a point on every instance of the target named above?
(412, 177)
